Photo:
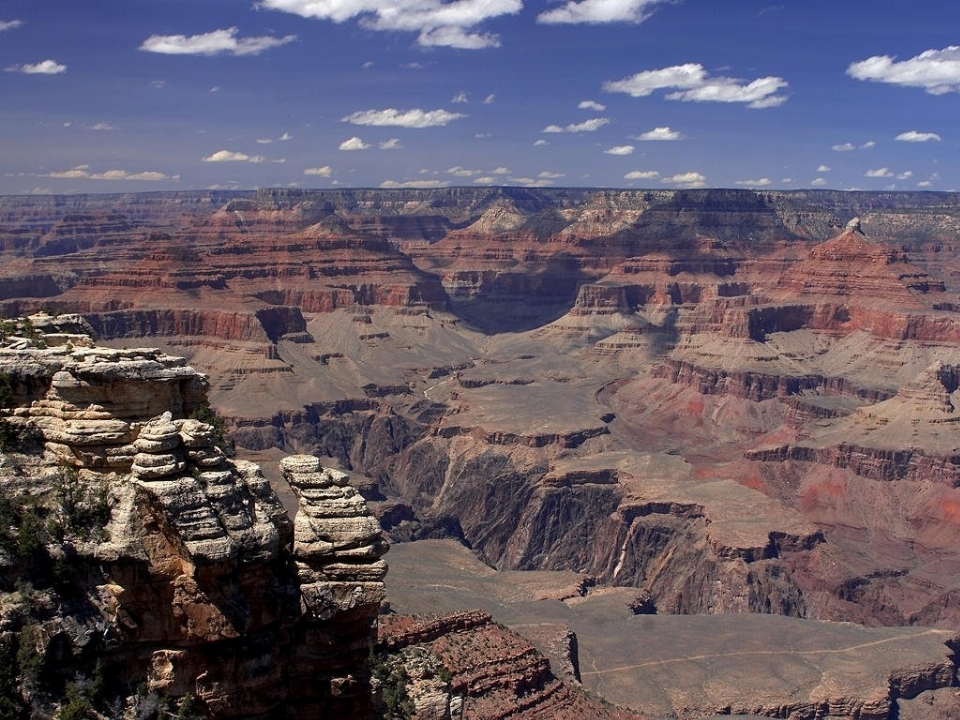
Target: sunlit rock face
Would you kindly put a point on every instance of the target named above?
(163, 564)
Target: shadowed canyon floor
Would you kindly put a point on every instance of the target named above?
(728, 402)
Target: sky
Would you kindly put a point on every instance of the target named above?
(141, 95)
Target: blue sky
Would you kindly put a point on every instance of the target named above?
(135, 95)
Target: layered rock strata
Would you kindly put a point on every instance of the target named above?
(167, 565)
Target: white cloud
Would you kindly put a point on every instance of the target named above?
(762, 182)
(80, 171)
(596, 12)
(689, 179)
(591, 105)
(485, 180)
(158, 84)
(924, 184)
(692, 84)
(905, 175)
(878, 173)
(230, 156)
(264, 141)
(215, 89)
(531, 182)
(463, 172)
(641, 175)
(619, 150)
(83, 171)
(540, 143)
(488, 100)
(848, 147)
(818, 182)
(391, 144)
(500, 171)
(149, 175)
(415, 184)
(216, 42)
(102, 126)
(354, 143)
(45, 67)
(936, 71)
(586, 126)
(461, 97)
(823, 168)
(915, 136)
(286, 136)
(660, 133)
(450, 24)
(547, 175)
(325, 171)
(10, 24)
(390, 117)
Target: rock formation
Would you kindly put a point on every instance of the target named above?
(140, 558)
(729, 401)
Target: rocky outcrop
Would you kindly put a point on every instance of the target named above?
(487, 672)
(165, 568)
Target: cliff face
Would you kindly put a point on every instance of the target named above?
(139, 558)
(567, 378)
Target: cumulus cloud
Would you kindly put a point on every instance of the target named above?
(915, 136)
(391, 144)
(83, 171)
(485, 180)
(488, 100)
(325, 171)
(823, 168)
(591, 105)
(80, 171)
(438, 23)
(868, 144)
(660, 133)
(218, 42)
(619, 150)
(391, 117)
(688, 179)
(354, 143)
(596, 12)
(936, 71)
(286, 136)
(762, 182)
(461, 97)
(500, 171)
(905, 175)
(547, 175)
(415, 184)
(586, 126)
(540, 143)
(264, 141)
(878, 173)
(44, 67)
(692, 83)
(818, 182)
(230, 156)
(641, 175)
(10, 24)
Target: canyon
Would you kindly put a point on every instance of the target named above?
(718, 402)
